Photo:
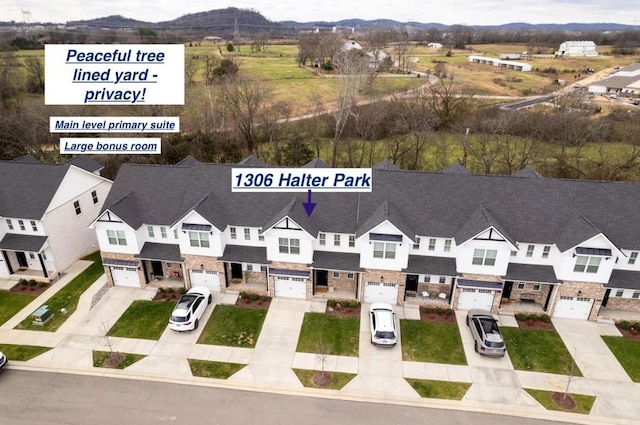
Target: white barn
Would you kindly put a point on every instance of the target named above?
(577, 49)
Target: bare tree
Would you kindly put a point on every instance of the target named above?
(9, 78)
(446, 100)
(191, 66)
(351, 67)
(376, 41)
(35, 74)
(320, 47)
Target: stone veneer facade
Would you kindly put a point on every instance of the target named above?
(588, 290)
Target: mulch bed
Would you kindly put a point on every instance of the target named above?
(249, 303)
(337, 310)
(535, 325)
(31, 290)
(564, 401)
(114, 359)
(629, 334)
(322, 379)
(437, 318)
(166, 296)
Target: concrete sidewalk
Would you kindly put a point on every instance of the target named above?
(496, 386)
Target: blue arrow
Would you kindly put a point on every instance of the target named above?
(309, 206)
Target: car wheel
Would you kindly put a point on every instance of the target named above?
(209, 299)
(197, 322)
(467, 320)
(475, 345)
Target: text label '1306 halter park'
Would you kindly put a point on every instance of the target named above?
(301, 180)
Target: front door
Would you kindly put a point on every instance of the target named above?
(156, 268)
(605, 299)
(322, 277)
(506, 290)
(22, 259)
(236, 271)
(412, 282)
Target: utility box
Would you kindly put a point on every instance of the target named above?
(41, 315)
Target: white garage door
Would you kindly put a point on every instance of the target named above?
(378, 292)
(123, 276)
(475, 298)
(291, 287)
(573, 308)
(207, 278)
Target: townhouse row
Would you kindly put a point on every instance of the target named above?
(567, 248)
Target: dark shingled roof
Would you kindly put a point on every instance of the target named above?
(385, 164)
(456, 168)
(27, 159)
(160, 251)
(86, 163)
(528, 172)
(29, 243)
(327, 260)
(433, 204)
(316, 163)
(252, 161)
(245, 254)
(624, 279)
(531, 273)
(420, 264)
(479, 221)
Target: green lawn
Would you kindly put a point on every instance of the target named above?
(338, 379)
(628, 354)
(233, 326)
(583, 402)
(325, 334)
(143, 319)
(99, 358)
(431, 342)
(11, 303)
(439, 389)
(68, 296)
(22, 352)
(539, 351)
(218, 370)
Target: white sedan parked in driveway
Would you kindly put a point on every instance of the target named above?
(188, 311)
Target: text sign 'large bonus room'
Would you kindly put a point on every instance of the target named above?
(111, 74)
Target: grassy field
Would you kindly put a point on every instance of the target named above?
(325, 334)
(338, 379)
(143, 319)
(584, 403)
(439, 389)
(539, 351)
(22, 352)
(431, 342)
(11, 303)
(628, 354)
(209, 369)
(233, 326)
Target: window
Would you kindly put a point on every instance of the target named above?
(247, 234)
(249, 267)
(336, 240)
(545, 251)
(76, 206)
(232, 232)
(484, 257)
(44, 255)
(34, 226)
(289, 246)
(261, 238)
(447, 245)
(442, 279)
(632, 258)
(530, 249)
(521, 285)
(636, 294)
(21, 224)
(322, 238)
(619, 292)
(263, 268)
(384, 250)
(199, 239)
(151, 232)
(163, 232)
(94, 196)
(514, 253)
(427, 278)
(32, 256)
(9, 224)
(351, 275)
(586, 264)
(432, 244)
(352, 241)
(536, 286)
(116, 237)
(416, 245)
(175, 233)
(336, 274)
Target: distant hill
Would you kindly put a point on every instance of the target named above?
(113, 21)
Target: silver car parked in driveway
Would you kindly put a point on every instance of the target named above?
(487, 338)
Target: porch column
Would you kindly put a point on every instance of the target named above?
(6, 260)
(44, 269)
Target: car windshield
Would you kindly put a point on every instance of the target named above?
(385, 335)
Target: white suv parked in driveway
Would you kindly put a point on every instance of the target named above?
(384, 331)
(3, 360)
(190, 308)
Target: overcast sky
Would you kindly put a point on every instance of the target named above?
(470, 12)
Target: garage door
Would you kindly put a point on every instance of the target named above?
(573, 308)
(475, 298)
(207, 278)
(123, 276)
(291, 287)
(378, 292)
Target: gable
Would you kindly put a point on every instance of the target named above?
(193, 217)
(75, 182)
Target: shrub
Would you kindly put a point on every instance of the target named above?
(41, 284)
(331, 303)
(624, 325)
(23, 282)
(265, 298)
(521, 316)
(448, 312)
(182, 291)
(636, 326)
(534, 317)
(244, 294)
(161, 290)
(545, 318)
(33, 282)
(354, 304)
(437, 310)
(254, 297)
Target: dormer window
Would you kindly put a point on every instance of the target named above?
(484, 257)
(585, 264)
(385, 250)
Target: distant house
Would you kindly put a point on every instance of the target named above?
(435, 45)
(577, 49)
(625, 81)
(516, 66)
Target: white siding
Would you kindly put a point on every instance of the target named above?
(216, 243)
(464, 257)
(273, 251)
(366, 249)
(131, 247)
(567, 262)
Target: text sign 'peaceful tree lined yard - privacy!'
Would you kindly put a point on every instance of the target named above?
(108, 74)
